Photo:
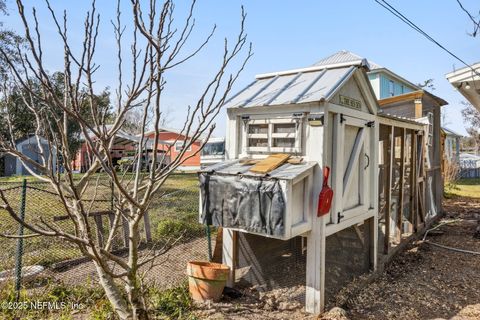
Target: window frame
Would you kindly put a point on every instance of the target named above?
(180, 150)
(271, 135)
(391, 88)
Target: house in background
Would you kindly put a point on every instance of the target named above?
(467, 82)
(29, 147)
(451, 145)
(213, 152)
(176, 139)
(124, 147)
(469, 165)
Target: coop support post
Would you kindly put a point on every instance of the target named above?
(19, 251)
(316, 238)
(230, 253)
(388, 197)
(315, 292)
(400, 207)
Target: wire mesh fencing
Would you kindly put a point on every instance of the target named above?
(172, 219)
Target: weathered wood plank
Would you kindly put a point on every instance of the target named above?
(413, 180)
(388, 193)
(401, 186)
(353, 159)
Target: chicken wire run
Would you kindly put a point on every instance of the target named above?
(172, 215)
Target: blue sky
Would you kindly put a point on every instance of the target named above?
(291, 34)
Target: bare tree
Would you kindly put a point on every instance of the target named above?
(134, 120)
(474, 19)
(157, 48)
(471, 116)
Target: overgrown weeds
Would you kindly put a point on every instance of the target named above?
(58, 301)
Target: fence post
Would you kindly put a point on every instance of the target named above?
(19, 251)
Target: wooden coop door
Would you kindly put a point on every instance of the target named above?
(352, 160)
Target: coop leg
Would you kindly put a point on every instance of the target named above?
(230, 253)
(315, 282)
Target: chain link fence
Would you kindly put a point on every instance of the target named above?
(173, 214)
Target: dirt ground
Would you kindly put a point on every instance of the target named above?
(168, 271)
(423, 282)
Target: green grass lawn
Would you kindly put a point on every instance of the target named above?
(469, 188)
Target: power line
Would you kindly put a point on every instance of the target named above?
(412, 25)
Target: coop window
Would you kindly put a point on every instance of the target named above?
(258, 128)
(274, 135)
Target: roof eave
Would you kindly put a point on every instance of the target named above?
(411, 96)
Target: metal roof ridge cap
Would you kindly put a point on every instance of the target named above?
(310, 69)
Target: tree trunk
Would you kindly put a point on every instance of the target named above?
(133, 284)
(135, 298)
(113, 294)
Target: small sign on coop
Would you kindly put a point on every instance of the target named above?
(350, 102)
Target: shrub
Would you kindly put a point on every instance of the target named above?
(170, 228)
(173, 303)
(451, 175)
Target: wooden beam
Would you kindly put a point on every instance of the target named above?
(91, 214)
(337, 166)
(413, 180)
(229, 256)
(401, 98)
(401, 186)
(388, 193)
(421, 177)
(315, 273)
(217, 251)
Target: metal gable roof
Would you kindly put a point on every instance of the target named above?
(297, 86)
(345, 56)
(339, 57)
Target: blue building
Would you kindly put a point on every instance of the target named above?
(29, 147)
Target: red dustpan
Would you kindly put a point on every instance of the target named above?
(326, 195)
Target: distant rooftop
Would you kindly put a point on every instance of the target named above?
(451, 132)
(345, 56)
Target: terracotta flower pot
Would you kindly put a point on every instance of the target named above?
(206, 280)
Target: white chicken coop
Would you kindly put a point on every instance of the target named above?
(327, 116)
